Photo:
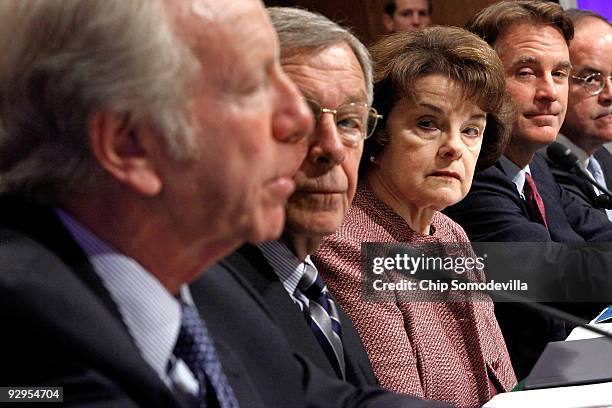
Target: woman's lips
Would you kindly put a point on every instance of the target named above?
(446, 174)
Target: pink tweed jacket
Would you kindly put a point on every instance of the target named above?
(443, 351)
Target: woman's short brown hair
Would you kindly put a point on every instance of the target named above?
(400, 59)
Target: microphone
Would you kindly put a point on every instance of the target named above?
(562, 156)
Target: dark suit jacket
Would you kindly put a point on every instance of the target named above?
(61, 328)
(493, 211)
(577, 185)
(239, 317)
(250, 267)
(59, 324)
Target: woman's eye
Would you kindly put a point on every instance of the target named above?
(471, 132)
(427, 124)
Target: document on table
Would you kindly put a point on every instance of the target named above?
(602, 321)
(582, 396)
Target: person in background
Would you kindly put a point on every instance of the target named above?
(588, 122)
(517, 199)
(442, 95)
(406, 15)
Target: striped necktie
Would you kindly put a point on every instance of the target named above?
(322, 316)
(196, 348)
(535, 205)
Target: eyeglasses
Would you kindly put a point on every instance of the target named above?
(593, 83)
(354, 121)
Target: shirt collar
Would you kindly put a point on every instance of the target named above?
(151, 314)
(515, 173)
(285, 264)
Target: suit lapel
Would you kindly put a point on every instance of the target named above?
(71, 288)
(604, 158)
(249, 265)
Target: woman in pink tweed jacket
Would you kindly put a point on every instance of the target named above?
(442, 94)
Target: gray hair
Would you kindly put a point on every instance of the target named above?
(302, 29)
(63, 61)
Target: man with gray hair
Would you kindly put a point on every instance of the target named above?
(332, 69)
(277, 281)
(588, 122)
(127, 130)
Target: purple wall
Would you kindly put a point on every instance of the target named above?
(603, 7)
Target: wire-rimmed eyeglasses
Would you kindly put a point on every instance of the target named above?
(593, 83)
(354, 121)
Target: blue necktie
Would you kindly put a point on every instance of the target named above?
(195, 347)
(594, 168)
(322, 317)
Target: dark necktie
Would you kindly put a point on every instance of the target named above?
(535, 205)
(195, 347)
(322, 316)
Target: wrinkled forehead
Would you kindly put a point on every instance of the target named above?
(200, 21)
(536, 44)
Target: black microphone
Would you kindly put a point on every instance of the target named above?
(564, 158)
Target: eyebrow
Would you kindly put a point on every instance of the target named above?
(441, 111)
(525, 59)
(589, 70)
(528, 59)
(355, 98)
(430, 106)
(565, 65)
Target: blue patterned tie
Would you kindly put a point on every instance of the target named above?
(594, 168)
(322, 316)
(195, 347)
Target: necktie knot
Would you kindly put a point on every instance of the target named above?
(535, 204)
(311, 283)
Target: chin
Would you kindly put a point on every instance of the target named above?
(266, 227)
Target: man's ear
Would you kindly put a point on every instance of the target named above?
(388, 22)
(126, 151)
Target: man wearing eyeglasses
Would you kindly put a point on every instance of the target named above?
(333, 71)
(518, 199)
(588, 122)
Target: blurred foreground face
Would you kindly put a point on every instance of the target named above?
(434, 144)
(589, 117)
(250, 123)
(410, 15)
(537, 65)
(327, 179)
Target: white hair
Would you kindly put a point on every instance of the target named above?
(63, 61)
(298, 29)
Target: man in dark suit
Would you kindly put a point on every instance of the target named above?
(333, 70)
(120, 193)
(588, 123)
(127, 130)
(517, 199)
